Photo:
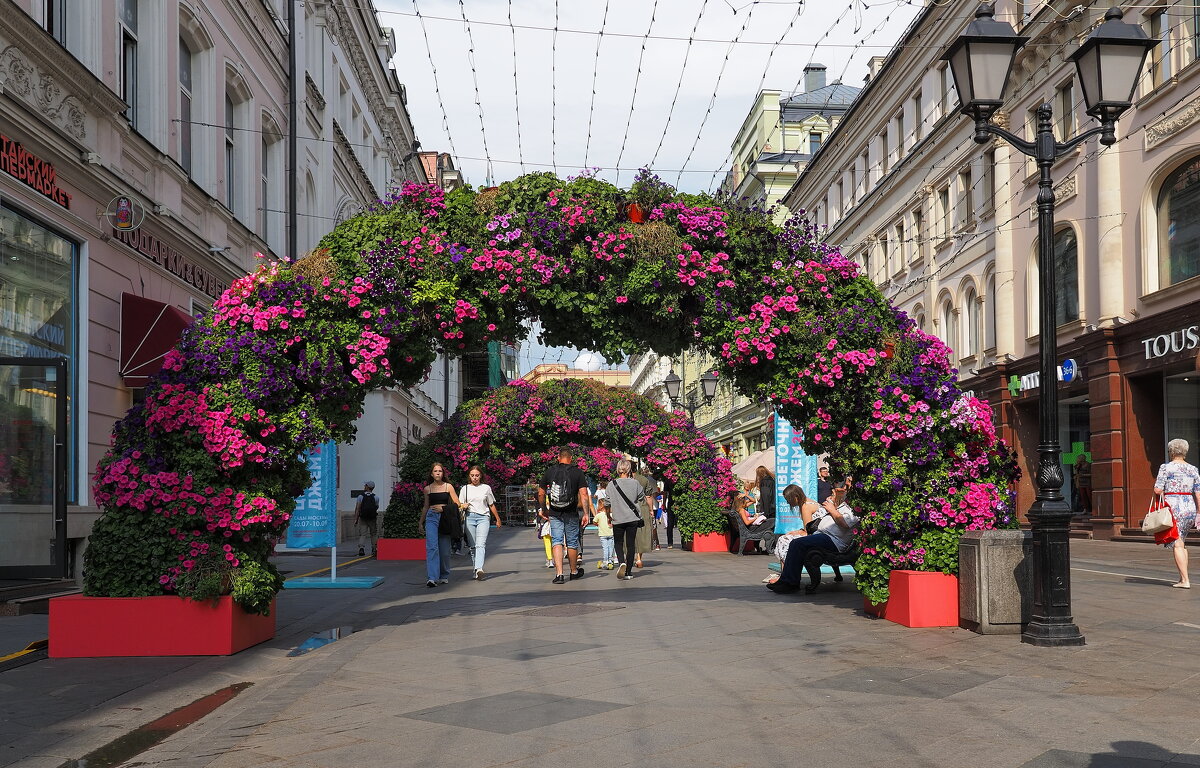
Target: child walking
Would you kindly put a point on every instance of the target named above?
(608, 558)
(543, 532)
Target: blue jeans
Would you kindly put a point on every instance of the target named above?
(564, 527)
(477, 534)
(437, 549)
(793, 564)
(610, 554)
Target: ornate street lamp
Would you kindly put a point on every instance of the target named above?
(693, 403)
(1108, 64)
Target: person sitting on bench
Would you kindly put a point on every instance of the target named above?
(835, 533)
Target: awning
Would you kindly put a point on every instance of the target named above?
(747, 468)
(149, 330)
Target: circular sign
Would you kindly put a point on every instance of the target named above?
(1070, 370)
(124, 213)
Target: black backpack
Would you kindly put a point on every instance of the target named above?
(369, 507)
(563, 491)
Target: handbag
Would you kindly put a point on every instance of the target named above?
(1158, 518)
(640, 521)
(1169, 535)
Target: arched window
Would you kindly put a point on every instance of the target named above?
(231, 155)
(1179, 225)
(971, 304)
(989, 333)
(918, 315)
(1066, 276)
(950, 326)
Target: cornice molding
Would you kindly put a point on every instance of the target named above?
(347, 150)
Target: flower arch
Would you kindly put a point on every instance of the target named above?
(202, 474)
(515, 431)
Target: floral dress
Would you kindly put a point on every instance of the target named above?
(1179, 480)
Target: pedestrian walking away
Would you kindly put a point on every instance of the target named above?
(565, 488)
(608, 556)
(629, 510)
(479, 500)
(441, 519)
(1178, 484)
(366, 518)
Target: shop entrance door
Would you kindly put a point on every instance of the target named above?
(33, 467)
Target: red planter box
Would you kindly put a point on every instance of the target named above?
(919, 599)
(400, 549)
(163, 625)
(711, 542)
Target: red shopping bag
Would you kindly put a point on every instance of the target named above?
(1169, 535)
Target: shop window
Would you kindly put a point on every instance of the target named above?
(38, 269)
(185, 105)
(1182, 398)
(1179, 225)
(1066, 276)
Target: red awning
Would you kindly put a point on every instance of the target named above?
(149, 330)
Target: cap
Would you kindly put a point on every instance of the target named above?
(369, 485)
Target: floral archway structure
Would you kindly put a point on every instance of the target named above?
(202, 475)
(515, 431)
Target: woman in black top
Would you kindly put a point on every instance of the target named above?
(766, 492)
(440, 517)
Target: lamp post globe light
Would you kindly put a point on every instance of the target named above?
(1108, 64)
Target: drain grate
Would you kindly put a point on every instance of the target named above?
(567, 609)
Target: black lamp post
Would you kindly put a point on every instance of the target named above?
(693, 403)
(1108, 64)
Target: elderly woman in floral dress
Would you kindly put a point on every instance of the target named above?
(1178, 484)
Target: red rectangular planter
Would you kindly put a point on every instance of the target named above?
(919, 599)
(163, 625)
(710, 542)
(400, 549)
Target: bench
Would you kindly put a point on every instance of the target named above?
(818, 557)
(745, 535)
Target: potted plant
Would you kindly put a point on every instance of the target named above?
(402, 537)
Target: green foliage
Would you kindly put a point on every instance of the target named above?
(127, 554)
(401, 519)
(255, 585)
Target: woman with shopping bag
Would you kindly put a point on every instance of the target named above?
(1178, 485)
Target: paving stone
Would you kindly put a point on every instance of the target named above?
(512, 712)
(901, 681)
(521, 650)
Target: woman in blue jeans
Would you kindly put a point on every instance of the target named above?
(440, 516)
(479, 499)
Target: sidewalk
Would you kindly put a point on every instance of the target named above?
(692, 663)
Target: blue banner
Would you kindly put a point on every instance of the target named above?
(314, 523)
(792, 467)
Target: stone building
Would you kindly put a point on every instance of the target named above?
(947, 228)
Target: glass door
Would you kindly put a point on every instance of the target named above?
(33, 467)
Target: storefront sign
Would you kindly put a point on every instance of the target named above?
(32, 171)
(1067, 372)
(1175, 341)
(172, 260)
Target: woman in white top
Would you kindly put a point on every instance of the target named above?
(480, 500)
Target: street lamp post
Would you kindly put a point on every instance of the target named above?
(1108, 64)
(708, 383)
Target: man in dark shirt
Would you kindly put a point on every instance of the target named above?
(566, 489)
(824, 487)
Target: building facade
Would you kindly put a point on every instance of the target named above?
(142, 167)
(948, 230)
(548, 371)
(780, 135)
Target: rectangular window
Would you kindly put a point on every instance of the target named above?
(943, 212)
(127, 35)
(1064, 110)
(917, 235)
(966, 210)
(883, 154)
(814, 143)
(1160, 55)
(185, 106)
(266, 188)
(898, 248)
(1195, 30)
(988, 182)
(230, 160)
(945, 98)
(897, 138)
(918, 123)
(885, 256)
(39, 318)
(54, 20)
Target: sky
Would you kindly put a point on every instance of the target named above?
(639, 95)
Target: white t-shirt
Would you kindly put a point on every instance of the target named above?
(843, 538)
(478, 497)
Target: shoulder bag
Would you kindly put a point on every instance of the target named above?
(640, 521)
(1158, 518)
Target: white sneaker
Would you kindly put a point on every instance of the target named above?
(443, 581)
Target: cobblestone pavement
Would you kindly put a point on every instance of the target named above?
(691, 663)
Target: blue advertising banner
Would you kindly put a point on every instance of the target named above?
(792, 467)
(314, 523)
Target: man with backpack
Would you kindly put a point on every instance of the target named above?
(366, 515)
(566, 489)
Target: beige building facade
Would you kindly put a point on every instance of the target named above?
(948, 229)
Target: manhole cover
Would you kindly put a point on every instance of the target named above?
(567, 609)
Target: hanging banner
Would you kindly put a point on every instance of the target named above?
(314, 523)
(792, 467)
